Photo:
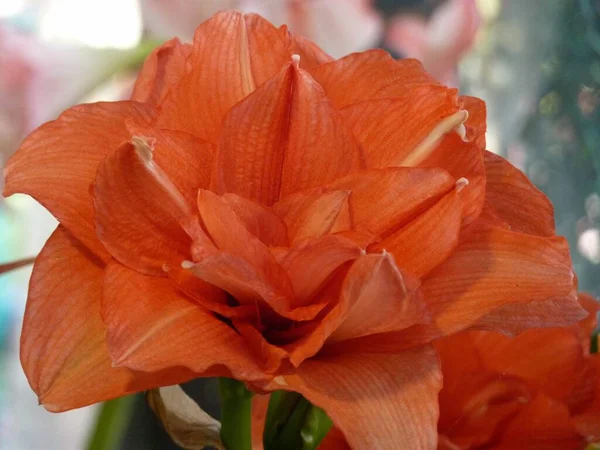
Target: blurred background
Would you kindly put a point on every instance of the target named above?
(535, 62)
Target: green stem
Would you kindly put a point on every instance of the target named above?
(316, 425)
(294, 423)
(111, 424)
(236, 416)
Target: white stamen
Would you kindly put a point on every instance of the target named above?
(461, 183)
(187, 264)
(461, 131)
(296, 60)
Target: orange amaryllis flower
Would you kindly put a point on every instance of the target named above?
(263, 212)
(538, 390)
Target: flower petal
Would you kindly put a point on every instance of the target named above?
(515, 199)
(369, 75)
(162, 69)
(462, 160)
(513, 319)
(68, 366)
(151, 327)
(382, 200)
(231, 56)
(390, 130)
(139, 212)
(427, 241)
(283, 138)
(543, 423)
(311, 262)
(376, 400)
(378, 299)
(493, 267)
(57, 162)
(258, 220)
(553, 367)
(313, 213)
(186, 159)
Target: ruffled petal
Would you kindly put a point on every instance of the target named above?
(513, 319)
(311, 262)
(140, 214)
(63, 345)
(464, 161)
(428, 240)
(162, 69)
(391, 129)
(369, 75)
(232, 55)
(515, 199)
(376, 400)
(259, 220)
(382, 200)
(543, 423)
(186, 159)
(57, 162)
(152, 327)
(493, 267)
(378, 299)
(553, 368)
(283, 138)
(314, 213)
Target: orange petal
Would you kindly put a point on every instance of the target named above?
(476, 124)
(57, 162)
(473, 281)
(334, 440)
(230, 235)
(186, 159)
(513, 319)
(311, 55)
(283, 138)
(139, 212)
(258, 220)
(552, 368)
(515, 199)
(260, 405)
(68, 366)
(311, 262)
(162, 69)
(313, 213)
(369, 75)
(390, 130)
(378, 299)
(382, 200)
(543, 423)
(376, 400)
(462, 160)
(428, 240)
(152, 327)
(231, 56)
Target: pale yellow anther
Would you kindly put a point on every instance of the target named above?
(296, 60)
(187, 264)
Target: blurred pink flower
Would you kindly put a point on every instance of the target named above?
(439, 42)
(337, 26)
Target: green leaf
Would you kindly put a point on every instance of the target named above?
(236, 414)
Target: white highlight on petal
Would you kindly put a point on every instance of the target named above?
(461, 131)
(187, 264)
(461, 183)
